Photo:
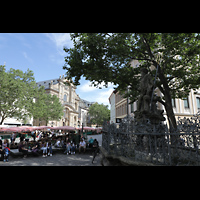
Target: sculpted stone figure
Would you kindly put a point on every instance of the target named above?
(146, 87)
(144, 112)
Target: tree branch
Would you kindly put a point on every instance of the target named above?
(148, 47)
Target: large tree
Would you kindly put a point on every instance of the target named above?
(47, 107)
(20, 97)
(17, 90)
(99, 113)
(106, 57)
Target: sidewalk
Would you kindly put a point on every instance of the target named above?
(58, 159)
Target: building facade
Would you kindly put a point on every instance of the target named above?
(15, 122)
(118, 107)
(112, 107)
(187, 107)
(75, 109)
(84, 116)
(68, 98)
(182, 107)
(83, 113)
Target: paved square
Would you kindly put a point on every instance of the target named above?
(58, 159)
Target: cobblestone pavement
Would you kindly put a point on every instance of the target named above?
(58, 159)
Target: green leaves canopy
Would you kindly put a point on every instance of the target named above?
(106, 57)
(17, 91)
(47, 107)
(99, 113)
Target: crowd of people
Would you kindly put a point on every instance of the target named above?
(45, 141)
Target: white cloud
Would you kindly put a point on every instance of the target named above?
(27, 57)
(93, 94)
(86, 87)
(60, 40)
(102, 96)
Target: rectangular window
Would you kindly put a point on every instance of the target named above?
(186, 102)
(198, 102)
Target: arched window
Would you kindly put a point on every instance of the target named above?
(65, 98)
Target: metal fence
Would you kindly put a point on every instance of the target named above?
(161, 148)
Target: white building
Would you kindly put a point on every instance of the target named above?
(112, 107)
(14, 122)
(84, 116)
(83, 113)
(68, 98)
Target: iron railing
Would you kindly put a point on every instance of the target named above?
(161, 148)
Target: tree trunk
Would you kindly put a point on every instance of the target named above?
(2, 119)
(168, 99)
(170, 115)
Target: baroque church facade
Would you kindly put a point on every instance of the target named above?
(68, 98)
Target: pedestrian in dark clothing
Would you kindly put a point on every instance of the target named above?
(95, 148)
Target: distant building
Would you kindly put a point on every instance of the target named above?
(67, 96)
(75, 109)
(14, 122)
(83, 112)
(112, 107)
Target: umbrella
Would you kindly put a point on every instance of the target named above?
(42, 127)
(26, 128)
(3, 129)
(88, 128)
(10, 129)
(63, 128)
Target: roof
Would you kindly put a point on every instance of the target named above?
(47, 82)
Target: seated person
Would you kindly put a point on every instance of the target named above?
(36, 148)
(1, 150)
(44, 148)
(91, 142)
(49, 149)
(6, 154)
(22, 148)
(68, 148)
(6, 150)
(82, 145)
(61, 142)
(58, 144)
(73, 148)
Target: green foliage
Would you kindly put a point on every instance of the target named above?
(106, 57)
(47, 107)
(99, 113)
(18, 92)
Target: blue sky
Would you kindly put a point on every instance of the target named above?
(43, 54)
